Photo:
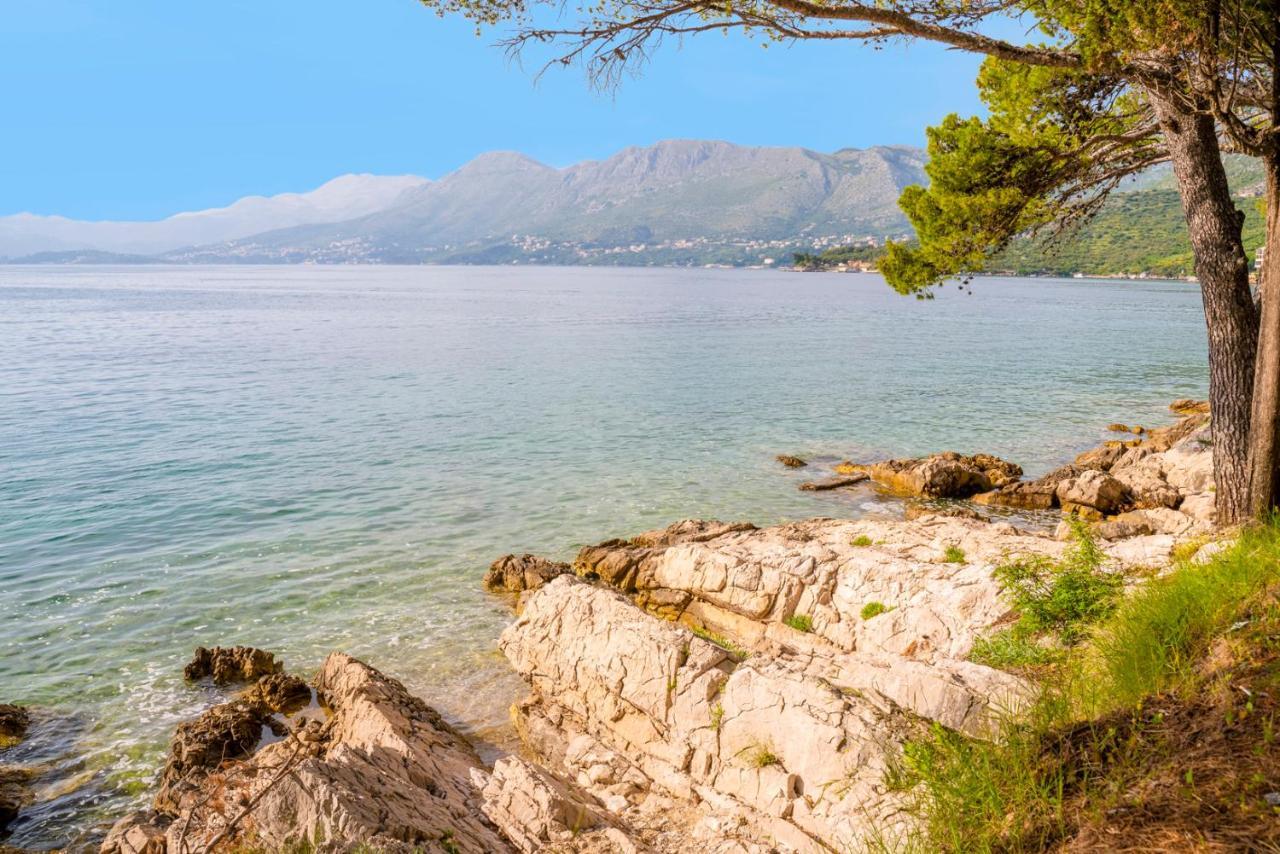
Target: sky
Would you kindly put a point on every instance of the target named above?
(138, 109)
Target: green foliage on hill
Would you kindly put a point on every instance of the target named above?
(1140, 231)
(1135, 232)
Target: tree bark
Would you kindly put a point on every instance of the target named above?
(1214, 225)
(1264, 441)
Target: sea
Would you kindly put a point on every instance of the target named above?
(309, 459)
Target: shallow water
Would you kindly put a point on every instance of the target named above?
(307, 459)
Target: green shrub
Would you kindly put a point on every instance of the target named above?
(953, 554)
(873, 609)
(1062, 596)
(800, 622)
(861, 541)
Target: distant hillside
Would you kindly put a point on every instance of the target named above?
(30, 235)
(1140, 230)
(680, 201)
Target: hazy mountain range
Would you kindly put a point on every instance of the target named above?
(679, 201)
(342, 198)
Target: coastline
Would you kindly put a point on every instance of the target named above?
(705, 611)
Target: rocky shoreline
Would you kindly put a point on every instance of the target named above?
(708, 685)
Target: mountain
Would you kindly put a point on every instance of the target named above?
(343, 198)
(679, 201)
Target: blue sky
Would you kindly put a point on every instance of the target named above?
(136, 109)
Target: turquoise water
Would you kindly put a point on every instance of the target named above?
(308, 459)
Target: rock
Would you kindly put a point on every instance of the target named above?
(915, 511)
(846, 468)
(1187, 406)
(1095, 490)
(534, 810)
(280, 693)
(384, 770)
(945, 475)
(1039, 494)
(1147, 487)
(830, 483)
(631, 708)
(791, 462)
(1102, 457)
(139, 833)
(14, 721)
(1200, 507)
(689, 531)
(518, 573)
(231, 664)
(15, 792)
(1209, 551)
(1121, 527)
(223, 733)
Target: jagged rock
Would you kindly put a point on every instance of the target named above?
(14, 721)
(280, 692)
(791, 462)
(231, 664)
(945, 475)
(1147, 487)
(689, 531)
(383, 770)
(1039, 494)
(833, 483)
(15, 792)
(1095, 490)
(617, 561)
(537, 812)
(1102, 457)
(223, 733)
(140, 833)
(634, 706)
(518, 573)
(846, 467)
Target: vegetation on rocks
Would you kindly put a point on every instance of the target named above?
(1154, 732)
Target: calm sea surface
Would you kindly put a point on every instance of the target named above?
(309, 459)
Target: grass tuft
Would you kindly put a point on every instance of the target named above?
(800, 622)
(861, 541)
(953, 554)
(874, 609)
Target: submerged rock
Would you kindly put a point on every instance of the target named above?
(518, 573)
(15, 792)
(226, 665)
(791, 462)
(14, 721)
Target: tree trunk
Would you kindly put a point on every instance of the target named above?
(1214, 224)
(1264, 443)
